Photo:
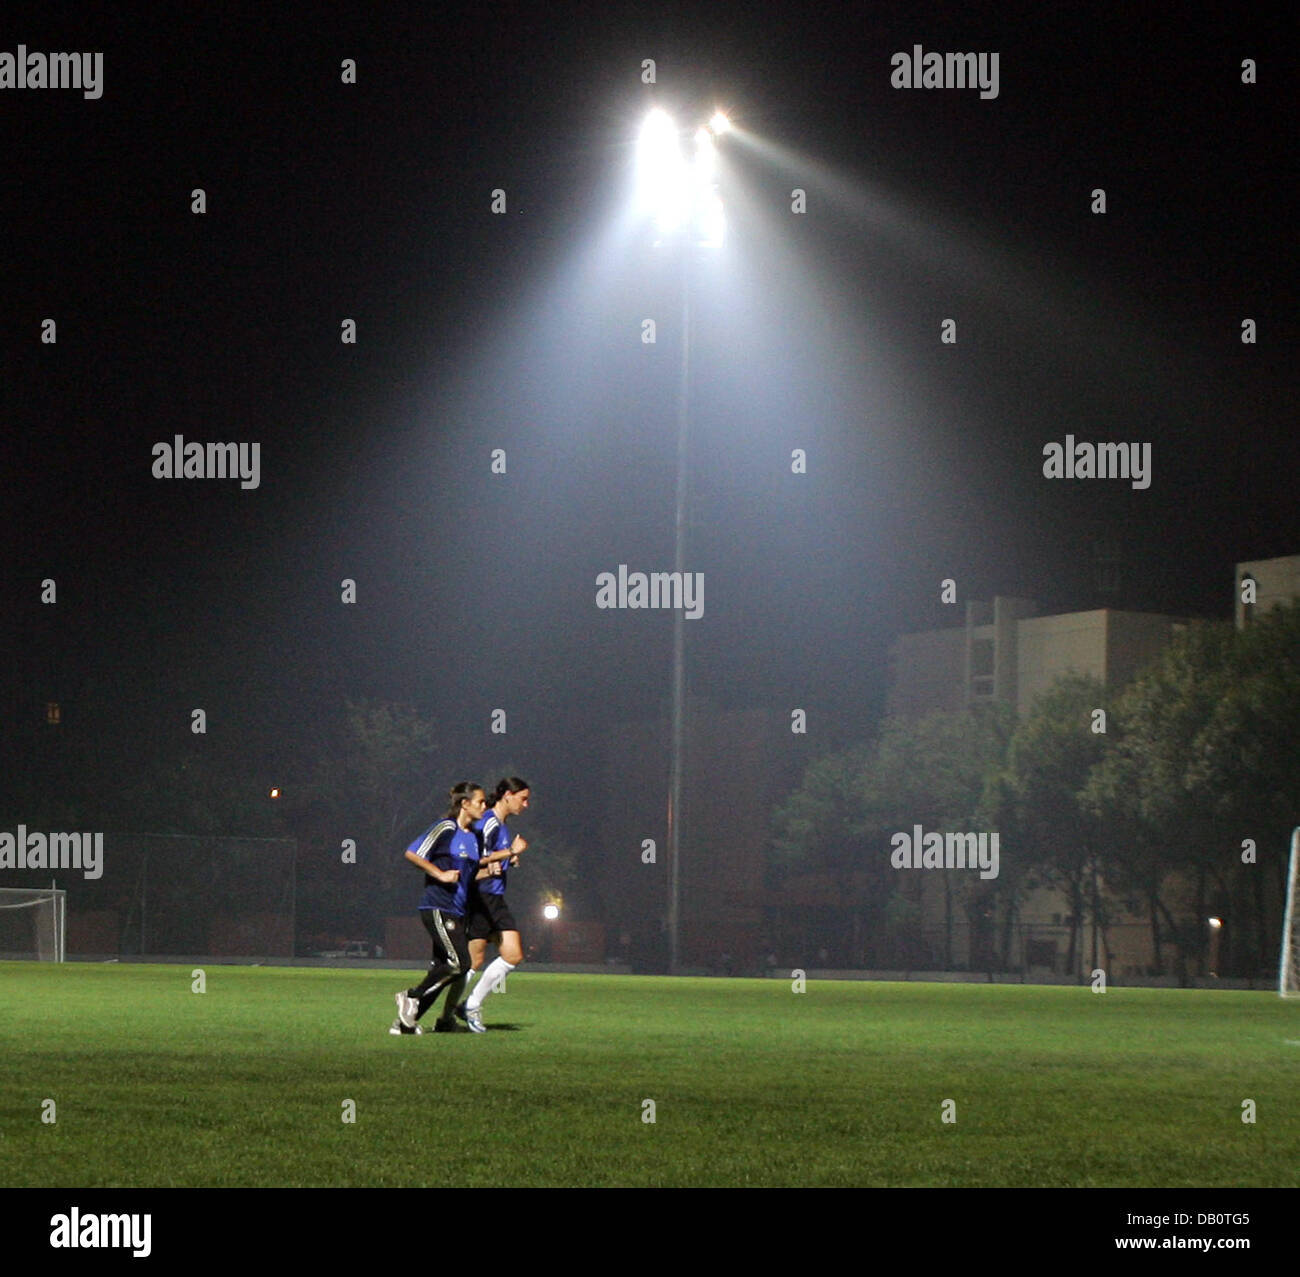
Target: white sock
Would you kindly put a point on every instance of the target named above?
(494, 976)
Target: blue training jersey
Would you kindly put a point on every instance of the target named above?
(449, 847)
(496, 837)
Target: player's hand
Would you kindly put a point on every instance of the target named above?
(519, 844)
(514, 860)
(495, 869)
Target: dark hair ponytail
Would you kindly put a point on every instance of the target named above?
(508, 785)
(458, 794)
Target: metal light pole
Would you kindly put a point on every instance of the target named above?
(696, 204)
(678, 710)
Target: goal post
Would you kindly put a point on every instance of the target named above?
(1288, 979)
(33, 923)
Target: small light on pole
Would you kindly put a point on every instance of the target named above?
(1216, 928)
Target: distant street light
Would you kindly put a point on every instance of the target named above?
(1216, 929)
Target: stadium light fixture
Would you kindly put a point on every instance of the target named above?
(673, 194)
(550, 912)
(664, 191)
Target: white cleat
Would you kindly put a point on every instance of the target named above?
(475, 1020)
(406, 1009)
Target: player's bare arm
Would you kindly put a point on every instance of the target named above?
(442, 875)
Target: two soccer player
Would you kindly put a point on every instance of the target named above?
(464, 846)
(449, 853)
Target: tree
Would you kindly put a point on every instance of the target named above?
(932, 771)
(1246, 763)
(371, 783)
(929, 771)
(1144, 792)
(1047, 833)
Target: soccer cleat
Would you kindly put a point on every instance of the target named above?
(406, 1008)
(474, 1018)
(460, 1012)
(445, 1026)
(397, 1028)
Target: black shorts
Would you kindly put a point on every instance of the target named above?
(489, 916)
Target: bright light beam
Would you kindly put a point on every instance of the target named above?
(710, 222)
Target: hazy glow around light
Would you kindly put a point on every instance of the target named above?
(550, 912)
(706, 157)
(712, 221)
(719, 124)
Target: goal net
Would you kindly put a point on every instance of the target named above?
(32, 923)
(1288, 980)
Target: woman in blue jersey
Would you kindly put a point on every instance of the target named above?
(449, 853)
(489, 916)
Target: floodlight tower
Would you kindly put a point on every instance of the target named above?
(686, 211)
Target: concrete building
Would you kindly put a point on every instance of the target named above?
(1270, 582)
(953, 669)
(1109, 645)
(1006, 652)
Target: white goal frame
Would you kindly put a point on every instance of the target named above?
(1288, 975)
(55, 900)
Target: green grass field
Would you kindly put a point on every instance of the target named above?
(155, 1085)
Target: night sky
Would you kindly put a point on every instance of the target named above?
(521, 331)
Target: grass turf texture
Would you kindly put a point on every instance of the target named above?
(753, 1084)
